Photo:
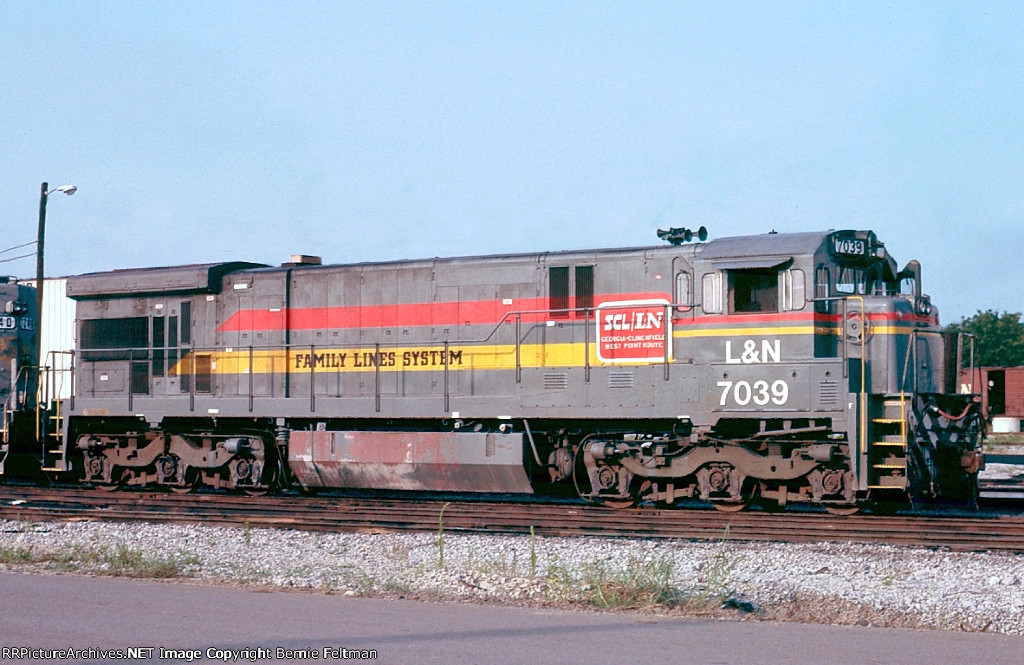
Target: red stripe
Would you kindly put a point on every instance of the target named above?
(800, 317)
(490, 312)
(762, 318)
(477, 312)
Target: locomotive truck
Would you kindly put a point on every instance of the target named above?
(777, 368)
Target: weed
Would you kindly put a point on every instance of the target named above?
(360, 581)
(16, 555)
(126, 561)
(639, 584)
(495, 566)
(75, 557)
(715, 581)
(533, 552)
(892, 575)
(121, 561)
(440, 537)
(394, 585)
(23, 525)
(329, 585)
(561, 583)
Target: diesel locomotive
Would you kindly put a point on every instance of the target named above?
(18, 365)
(777, 368)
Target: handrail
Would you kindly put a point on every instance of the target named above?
(376, 376)
(911, 353)
(12, 397)
(862, 435)
(581, 311)
(11, 404)
(585, 315)
(959, 359)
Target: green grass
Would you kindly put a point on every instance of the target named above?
(641, 583)
(646, 583)
(16, 555)
(1008, 440)
(119, 561)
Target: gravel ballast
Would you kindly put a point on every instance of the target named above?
(841, 583)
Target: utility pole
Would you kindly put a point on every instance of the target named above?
(44, 194)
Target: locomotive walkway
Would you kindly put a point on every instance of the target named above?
(961, 532)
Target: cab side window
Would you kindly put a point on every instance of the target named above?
(822, 279)
(711, 292)
(792, 285)
(684, 291)
(754, 290)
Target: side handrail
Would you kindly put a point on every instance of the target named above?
(187, 363)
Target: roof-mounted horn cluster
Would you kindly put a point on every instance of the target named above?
(677, 236)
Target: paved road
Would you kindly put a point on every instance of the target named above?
(62, 612)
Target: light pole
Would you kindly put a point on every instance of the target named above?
(43, 194)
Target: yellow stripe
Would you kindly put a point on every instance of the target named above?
(493, 357)
(502, 356)
(737, 332)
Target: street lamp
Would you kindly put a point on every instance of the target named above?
(43, 194)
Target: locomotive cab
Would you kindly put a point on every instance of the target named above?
(911, 437)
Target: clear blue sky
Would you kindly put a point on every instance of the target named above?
(208, 131)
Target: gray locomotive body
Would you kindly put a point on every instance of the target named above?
(791, 367)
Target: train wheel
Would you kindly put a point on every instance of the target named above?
(730, 506)
(617, 504)
(116, 482)
(603, 482)
(842, 511)
(749, 496)
(268, 480)
(725, 487)
(189, 482)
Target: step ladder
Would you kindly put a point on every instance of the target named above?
(887, 453)
(52, 437)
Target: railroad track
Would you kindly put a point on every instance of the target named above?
(1003, 479)
(340, 513)
(1002, 490)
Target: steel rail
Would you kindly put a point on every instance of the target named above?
(982, 532)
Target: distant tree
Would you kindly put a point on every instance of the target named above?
(1000, 338)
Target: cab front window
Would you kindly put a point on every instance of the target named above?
(850, 281)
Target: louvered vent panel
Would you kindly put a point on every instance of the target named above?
(828, 392)
(556, 381)
(620, 379)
